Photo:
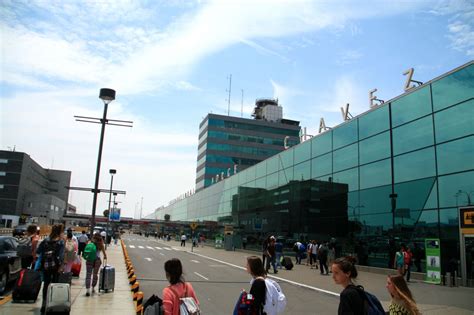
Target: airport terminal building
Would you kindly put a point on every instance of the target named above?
(396, 172)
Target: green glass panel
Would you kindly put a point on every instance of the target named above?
(302, 171)
(286, 158)
(261, 182)
(375, 200)
(284, 176)
(432, 202)
(242, 177)
(455, 122)
(321, 165)
(411, 106)
(345, 134)
(414, 165)
(456, 156)
(374, 148)
(261, 169)
(426, 225)
(272, 181)
(350, 177)
(375, 174)
(413, 195)
(412, 136)
(450, 186)
(321, 143)
(346, 157)
(250, 173)
(454, 88)
(374, 122)
(449, 224)
(273, 164)
(375, 222)
(302, 152)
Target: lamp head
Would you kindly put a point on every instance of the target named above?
(112, 171)
(107, 95)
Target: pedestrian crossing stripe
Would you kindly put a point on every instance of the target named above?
(139, 246)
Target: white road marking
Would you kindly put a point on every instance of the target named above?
(158, 247)
(167, 248)
(139, 246)
(277, 278)
(201, 276)
(162, 254)
(195, 261)
(149, 259)
(176, 248)
(131, 246)
(149, 247)
(217, 266)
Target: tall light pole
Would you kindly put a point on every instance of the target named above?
(107, 96)
(112, 172)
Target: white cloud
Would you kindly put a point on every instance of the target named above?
(348, 56)
(462, 37)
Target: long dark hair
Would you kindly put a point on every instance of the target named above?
(404, 293)
(174, 270)
(98, 241)
(256, 266)
(347, 265)
(56, 231)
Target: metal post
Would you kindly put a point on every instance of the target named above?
(99, 159)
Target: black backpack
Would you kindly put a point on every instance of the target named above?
(50, 255)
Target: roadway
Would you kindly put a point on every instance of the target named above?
(217, 284)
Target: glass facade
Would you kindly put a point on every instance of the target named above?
(394, 174)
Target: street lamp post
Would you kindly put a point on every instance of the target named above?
(468, 195)
(112, 172)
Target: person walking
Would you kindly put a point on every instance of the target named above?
(93, 261)
(183, 240)
(258, 288)
(323, 258)
(408, 255)
(177, 287)
(271, 258)
(309, 258)
(51, 250)
(279, 253)
(417, 256)
(399, 262)
(402, 300)
(82, 242)
(331, 255)
(265, 249)
(343, 273)
(70, 251)
(314, 254)
(27, 246)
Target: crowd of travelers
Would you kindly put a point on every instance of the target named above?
(58, 256)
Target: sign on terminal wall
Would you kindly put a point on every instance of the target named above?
(433, 260)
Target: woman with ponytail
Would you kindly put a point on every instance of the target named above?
(343, 273)
(402, 299)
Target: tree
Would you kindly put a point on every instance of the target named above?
(167, 217)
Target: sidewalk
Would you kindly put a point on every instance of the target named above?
(117, 302)
(431, 299)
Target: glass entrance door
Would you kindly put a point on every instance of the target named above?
(469, 254)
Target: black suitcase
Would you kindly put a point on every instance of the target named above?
(287, 263)
(27, 286)
(65, 277)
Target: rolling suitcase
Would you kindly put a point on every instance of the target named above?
(65, 277)
(58, 298)
(107, 278)
(76, 269)
(27, 286)
(287, 263)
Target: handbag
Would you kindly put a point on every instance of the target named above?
(187, 304)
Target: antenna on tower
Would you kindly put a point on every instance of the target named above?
(242, 105)
(229, 90)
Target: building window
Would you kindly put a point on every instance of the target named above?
(30, 205)
(412, 106)
(3, 161)
(454, 88)
(1, 186)
(419, 133)
(3, 173)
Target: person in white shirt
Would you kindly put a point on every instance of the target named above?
(183, 240)
(82, 242)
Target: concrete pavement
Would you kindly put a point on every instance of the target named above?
(431, 299)
(117, 302)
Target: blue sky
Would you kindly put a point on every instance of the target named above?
(169, 62)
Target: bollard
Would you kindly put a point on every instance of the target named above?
(456, 282)
(135, 287)
(132, 280)
(449, 279)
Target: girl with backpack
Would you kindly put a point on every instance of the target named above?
(177, 288)
(258, 289)
(402, 299)
(92, 256)
(343, 273)
(70, 252)
(51, 250)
